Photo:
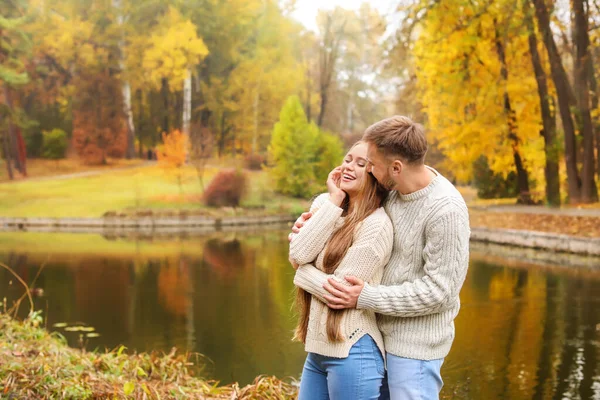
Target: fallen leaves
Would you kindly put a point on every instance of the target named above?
(562, 224)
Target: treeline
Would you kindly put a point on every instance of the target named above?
(114, 75)
(511, 84)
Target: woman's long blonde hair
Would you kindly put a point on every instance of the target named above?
(369, 198)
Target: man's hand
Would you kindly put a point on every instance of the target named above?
(343, 296)
(299, 224)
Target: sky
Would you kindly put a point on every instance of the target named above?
(306, 10)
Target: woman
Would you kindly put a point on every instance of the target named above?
(348, 234)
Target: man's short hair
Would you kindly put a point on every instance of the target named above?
(398, 136)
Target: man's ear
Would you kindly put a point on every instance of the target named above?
(397, 167)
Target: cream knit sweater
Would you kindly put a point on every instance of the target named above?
(418, 298)
(365, 259)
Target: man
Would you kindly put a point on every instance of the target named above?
(418, 298)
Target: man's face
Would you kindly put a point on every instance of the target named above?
(379, 167)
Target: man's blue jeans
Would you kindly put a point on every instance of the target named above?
(356, 377)
(408, 379)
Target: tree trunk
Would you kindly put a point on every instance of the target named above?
(565, 100)
(323, 107)
(328, 56)
(308, 95)
(126, 87)
(7, 158)
(589, 193)
(222, 135)
(130, 153)
(548, 120)
(164, 89)
(255, 106)
(12, 137)
(594, 94)
(187, 102)
(522, 175)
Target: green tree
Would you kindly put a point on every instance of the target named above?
(292, 150)
(302, 155)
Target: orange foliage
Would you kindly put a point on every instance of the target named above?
(173, 152)
(99, 129)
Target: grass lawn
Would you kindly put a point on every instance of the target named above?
(141, 188)
(39, 168)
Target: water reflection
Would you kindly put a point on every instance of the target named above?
(524, 331)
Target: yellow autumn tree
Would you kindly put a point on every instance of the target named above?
(478, 88)
(173, 48)
(173, 51)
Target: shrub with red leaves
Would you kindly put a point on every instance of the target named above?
(226, 189)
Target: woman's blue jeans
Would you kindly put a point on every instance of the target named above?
(356, 377)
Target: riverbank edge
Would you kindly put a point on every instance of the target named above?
(190, 225)
(538, 240)
(141, 224)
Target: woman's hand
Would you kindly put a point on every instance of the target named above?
(294, 263)
(336, 195)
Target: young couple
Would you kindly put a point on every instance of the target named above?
(380, 260)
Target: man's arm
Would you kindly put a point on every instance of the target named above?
(446, 257)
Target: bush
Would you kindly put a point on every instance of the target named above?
(254, 162)
(490, 185)
(226, 189)
(55, 144)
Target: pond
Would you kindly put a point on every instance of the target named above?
(529, 326)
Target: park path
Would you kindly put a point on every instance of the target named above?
(83, 174)
(540, 210)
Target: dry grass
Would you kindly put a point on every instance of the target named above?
(36, 364)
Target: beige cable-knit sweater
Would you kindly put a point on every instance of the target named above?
(365, 259)
(418, 298)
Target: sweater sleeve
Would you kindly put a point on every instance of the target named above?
(370, 252)
(310, 241)
(446, 259)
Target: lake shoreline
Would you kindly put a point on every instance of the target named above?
(190, 225)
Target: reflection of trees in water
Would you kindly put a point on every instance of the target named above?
(239, 322)
(579, 356)
(174, 286)
(102, 293)
(11, 288)
(544, 377)
(590, 384)
(225, 257)
(534, 337)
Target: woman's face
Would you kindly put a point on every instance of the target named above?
(354, 169)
